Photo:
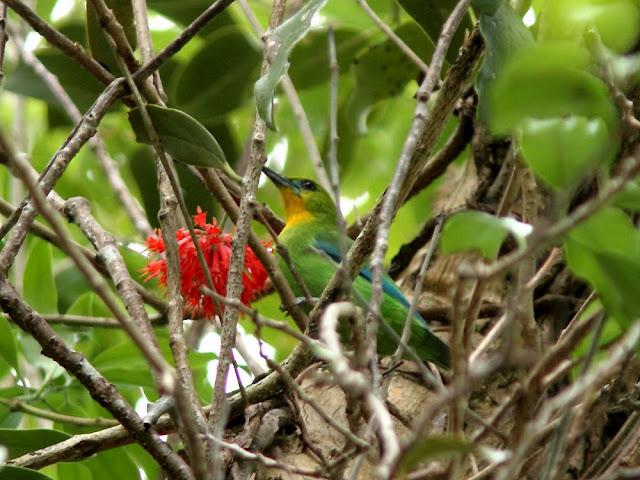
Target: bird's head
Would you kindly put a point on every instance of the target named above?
(304, 200)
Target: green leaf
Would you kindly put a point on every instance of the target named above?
(98, 44)
(20, 442)
(111, 464)
(431, 17)
(39, 288)
(8, 346)
(383, 71)
(433, 447)
(505, 35)
(480, 232)
(183, 137)
(310, 60)
(221, 73)
(550, 82)
(19, 473)
(75, 471)
(617, 21)
(281, 41)
(605, 251)
(562, 151)
(629, 198)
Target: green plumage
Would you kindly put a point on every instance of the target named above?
(311, 238)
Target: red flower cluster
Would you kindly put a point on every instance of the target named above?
(216, 247)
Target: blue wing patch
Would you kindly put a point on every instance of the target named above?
(388, 285)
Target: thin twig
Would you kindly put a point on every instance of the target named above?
(19, 405)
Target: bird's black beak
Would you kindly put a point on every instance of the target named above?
(279, 180)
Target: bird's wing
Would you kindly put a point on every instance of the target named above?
(331, 249)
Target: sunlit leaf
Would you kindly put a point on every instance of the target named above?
(280, 43)
(183, 137)
(480, 232)
(38, 283)
(617, 21)
(550, 82)
(562, 151)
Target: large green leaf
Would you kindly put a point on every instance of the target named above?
(183, 137)
(480, 232)
(310, 59)
(562, 151)
(39, 287)
(20, 442)
(281, 41)
(605, 250)
(383, 71)
(19, 473)
(431, 17)
(217, 78)
(8, 346)
(548, 82)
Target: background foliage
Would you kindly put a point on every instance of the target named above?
(556, 83)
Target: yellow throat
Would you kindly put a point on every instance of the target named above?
(294, 208)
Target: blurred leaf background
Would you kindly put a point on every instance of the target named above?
(540, 83)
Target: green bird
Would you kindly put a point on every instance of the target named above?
(312, 240)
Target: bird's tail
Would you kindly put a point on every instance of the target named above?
(434, 349)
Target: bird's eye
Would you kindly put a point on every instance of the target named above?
(309, 185)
